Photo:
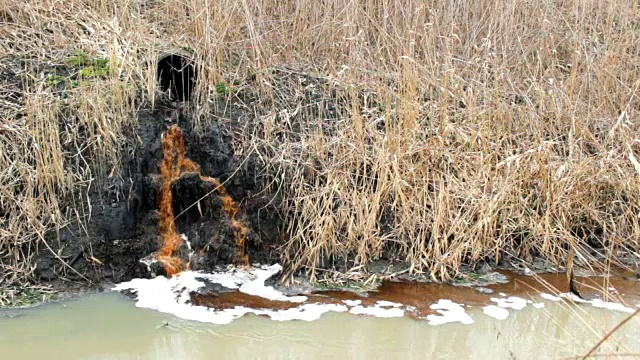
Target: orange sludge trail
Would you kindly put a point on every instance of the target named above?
(174, 164)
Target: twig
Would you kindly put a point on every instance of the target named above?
(217, 187)
(62, 261)
(618, 355)
(610, 333)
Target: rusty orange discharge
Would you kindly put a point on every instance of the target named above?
(174, 164)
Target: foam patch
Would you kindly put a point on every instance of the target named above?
(379, 310)
(449, 312)
(172, 295)
(512, 302)
(496, 312)
(598, 303)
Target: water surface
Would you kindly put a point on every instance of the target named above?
(110, 326)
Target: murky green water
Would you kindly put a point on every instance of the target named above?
(108, 326)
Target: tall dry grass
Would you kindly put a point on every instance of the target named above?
(441, 132)
(470, 131)
(57, 145)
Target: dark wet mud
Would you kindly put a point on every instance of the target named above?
(124, 226)
(216, 201)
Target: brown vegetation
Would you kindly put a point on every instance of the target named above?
(435, 132)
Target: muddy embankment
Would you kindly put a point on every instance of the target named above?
(187, 199)
(184, 201)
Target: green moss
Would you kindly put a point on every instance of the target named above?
(92, 72)
(90, 67)
(224, 89)
(188, 50)
(53, 80)
(78, 59)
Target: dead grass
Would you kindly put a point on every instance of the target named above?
(441, 132)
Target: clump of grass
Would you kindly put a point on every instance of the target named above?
(53, 80)
(224, 89)
(89, 67)
(28, 297)
(80, 59)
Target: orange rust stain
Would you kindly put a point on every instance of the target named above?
(421, 295)
(174, 164)
(232, 299)
(615, 287)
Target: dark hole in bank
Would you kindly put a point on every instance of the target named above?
(176, 75)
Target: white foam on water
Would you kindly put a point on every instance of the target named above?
(305, 312)
(598, 303)
(611, 306)
(572, 297)
(384, 303)
(352, 302)
(377, 311)
(247, 281)
(496, 312)
(594, 302)
(512, 302)
(549, 297)
(172, 295)
(256, 286)
(449, 312)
